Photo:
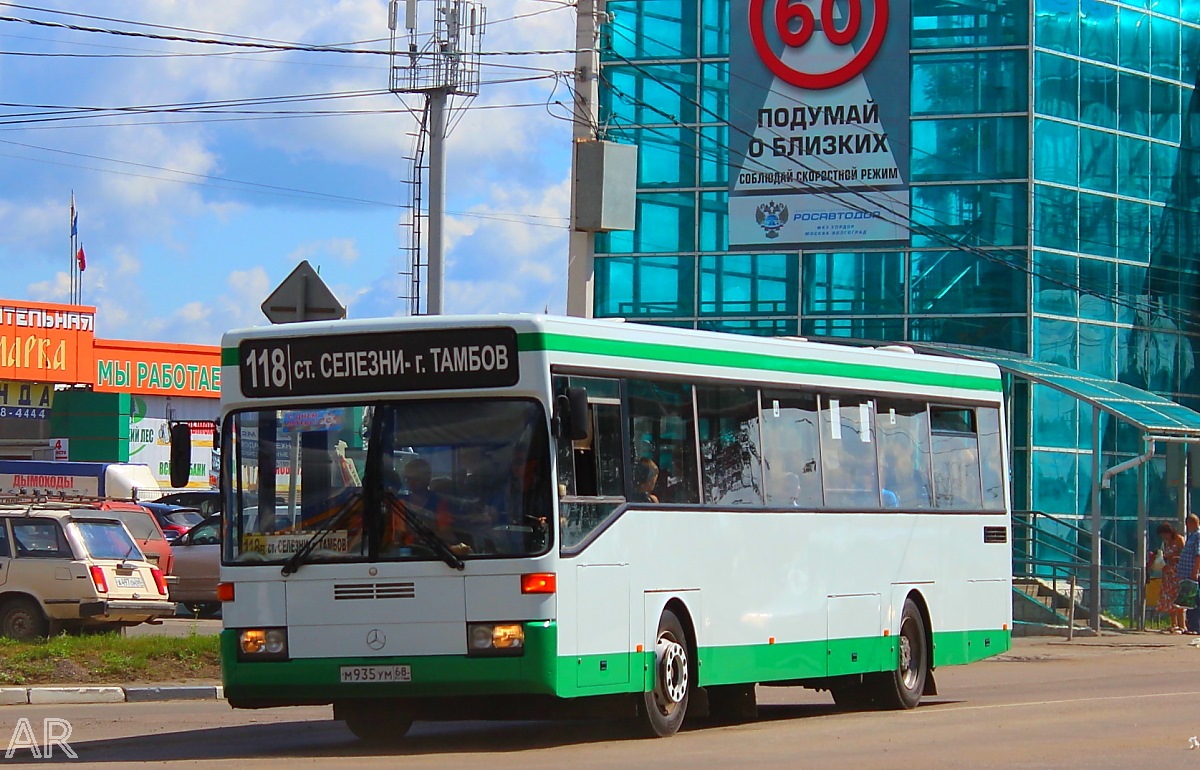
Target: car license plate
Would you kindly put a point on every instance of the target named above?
(354, 674)
(134, 581)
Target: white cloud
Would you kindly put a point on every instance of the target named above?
(344, 250)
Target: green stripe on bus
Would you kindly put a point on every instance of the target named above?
(540, 671)
(229, 356)
(736, 359)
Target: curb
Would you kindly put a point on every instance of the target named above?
(36, 696)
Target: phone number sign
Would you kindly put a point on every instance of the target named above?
(378, 362)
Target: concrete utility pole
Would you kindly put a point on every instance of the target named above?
(581, 267)
(440, 63)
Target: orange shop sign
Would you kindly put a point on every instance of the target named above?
(46, 342)
(157, 369)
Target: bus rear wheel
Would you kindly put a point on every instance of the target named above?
(662, 709)
(374, 725)
(902, 688)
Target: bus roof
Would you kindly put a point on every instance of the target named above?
(612, 344)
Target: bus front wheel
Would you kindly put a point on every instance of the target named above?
(902, 688)
(663, 708)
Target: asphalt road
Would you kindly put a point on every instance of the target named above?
(1127, 702)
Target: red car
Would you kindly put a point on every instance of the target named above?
(175, 520)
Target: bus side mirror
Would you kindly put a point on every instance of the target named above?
(571, 415)
(181, 454)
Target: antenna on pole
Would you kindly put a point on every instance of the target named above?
(440, 62)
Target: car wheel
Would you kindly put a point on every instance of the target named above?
(21, 618)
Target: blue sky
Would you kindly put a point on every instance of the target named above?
(180, 257)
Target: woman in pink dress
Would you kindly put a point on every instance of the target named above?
(1172, 546)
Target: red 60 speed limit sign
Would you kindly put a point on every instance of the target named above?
(795, 23)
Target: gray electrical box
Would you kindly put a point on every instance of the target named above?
(605, 186)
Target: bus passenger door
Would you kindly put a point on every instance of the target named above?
(854, 642)
(602, 624)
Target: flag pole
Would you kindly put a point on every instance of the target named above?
(73, 225)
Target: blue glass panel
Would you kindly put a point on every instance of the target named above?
(967, 23)
(1056, 218)
(759, 327)
(967, 82)
(1164, 111)
(880, 329)
(1055, 418)
(1099, 279)
(666, 222)
(749, 284)
(1189, 10)
(1098, 350)
(859, 283)
(1098, 95)
(980, 331)
(1164, 47)
(652, 29)
(1163, 160)
(1054, 342)
(1056, 152)
(666, 157)
(714, 156)
(1055, 274)
(1133, 167)
(642, 286)
(1135, 103)
(1098, 225)
(1056, 26)
(651, 94)
(1097, 160)
(980, 214)
(1057, 86)
(1098, 31)
(714, 34)
(1134, 33)
(1189, 47)
(959, 282)
(714, 93)
(1133, 230)
(714, 221)
(1131, 282)
(969, 148)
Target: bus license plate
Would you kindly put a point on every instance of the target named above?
(352, 674)
(130, 582)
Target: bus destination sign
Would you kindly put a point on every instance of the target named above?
(332, 364)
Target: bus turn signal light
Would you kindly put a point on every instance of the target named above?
(224, 592)
(539, 583)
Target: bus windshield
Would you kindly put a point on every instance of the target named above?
(387, 481)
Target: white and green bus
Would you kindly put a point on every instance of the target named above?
(523, 516)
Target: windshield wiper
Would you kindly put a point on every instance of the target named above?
(424, 534)
(310, 545)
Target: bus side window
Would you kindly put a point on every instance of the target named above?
(991, 458)
(955, 458)
(662, 430)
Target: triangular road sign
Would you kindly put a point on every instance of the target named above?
(302, 296)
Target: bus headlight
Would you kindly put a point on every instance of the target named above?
(262, 644)
(495, 639)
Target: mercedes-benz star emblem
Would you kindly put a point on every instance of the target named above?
(376, 639)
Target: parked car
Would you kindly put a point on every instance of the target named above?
(64, 566)
(144, 528)
(198, 566)
(174, 520)
(208, 501)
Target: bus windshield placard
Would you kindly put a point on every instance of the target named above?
(373, 362)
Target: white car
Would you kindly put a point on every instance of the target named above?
(61, 571)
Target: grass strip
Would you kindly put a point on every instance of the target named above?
(109, 658)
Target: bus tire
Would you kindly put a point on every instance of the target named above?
(22, 619)
(902, 688)
(376, 726)
(662, 710)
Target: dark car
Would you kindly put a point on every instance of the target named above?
(175, 520)
(207, 501)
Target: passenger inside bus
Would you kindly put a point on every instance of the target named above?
(645, 479)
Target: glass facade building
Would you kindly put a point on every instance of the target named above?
(1054, 187)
